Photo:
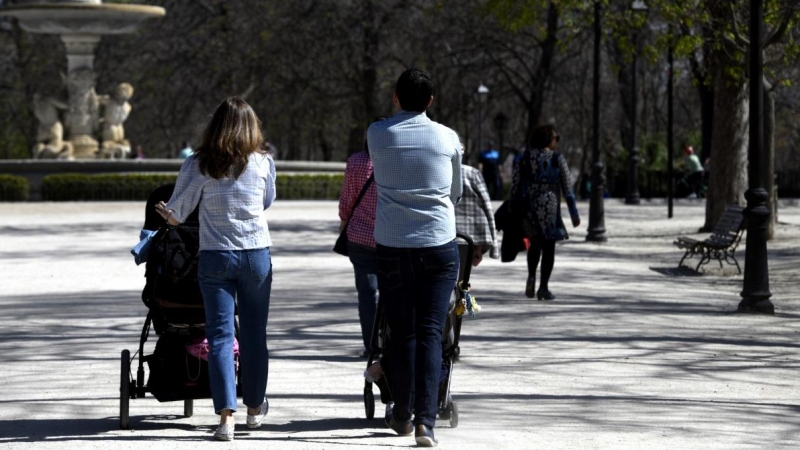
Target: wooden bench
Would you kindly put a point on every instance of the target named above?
(721, 244)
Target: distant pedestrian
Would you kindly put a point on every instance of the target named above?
(540, 178)
(696, 171)
(186, 151)
(417, 165)
(271, 149)
(489, 165)
(507, 168)
(139, 152)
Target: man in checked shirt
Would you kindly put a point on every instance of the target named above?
(417, 166)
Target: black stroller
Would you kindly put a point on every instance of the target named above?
(460, 302)
(175, 312)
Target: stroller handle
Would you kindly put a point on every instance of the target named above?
(470, 251)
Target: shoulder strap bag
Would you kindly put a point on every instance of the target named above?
(341, 242)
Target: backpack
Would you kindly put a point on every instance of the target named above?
(172, 291)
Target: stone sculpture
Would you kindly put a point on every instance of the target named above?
(115, 108)
(50, 142)
(82, 116)
(83, 112)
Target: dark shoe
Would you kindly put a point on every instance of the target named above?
(424, 436)
(387, 413)
(530, 287)
(403, 429)
(544, 294)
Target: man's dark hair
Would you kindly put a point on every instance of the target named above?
(414, 89)
(542, 136)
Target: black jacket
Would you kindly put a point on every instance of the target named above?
(510, 224)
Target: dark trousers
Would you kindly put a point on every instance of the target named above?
(363, 259)
(415, 288)
(695, 180)
(546, 250)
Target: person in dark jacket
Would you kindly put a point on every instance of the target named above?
(540, 179)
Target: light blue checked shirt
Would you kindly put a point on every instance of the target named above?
(417, 166)
(232, 212)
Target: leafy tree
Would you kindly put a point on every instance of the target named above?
(714, 35)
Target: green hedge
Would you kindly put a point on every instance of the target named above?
(13, 188)
(309, 187)
(72, 187)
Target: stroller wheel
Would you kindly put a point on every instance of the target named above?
(188, 407)
(125, 390)
(453, 414)
(369, 402)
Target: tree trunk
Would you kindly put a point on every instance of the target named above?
(728, 180)
(366, 81)
(706, 120)
(541, 77)
(624, 84)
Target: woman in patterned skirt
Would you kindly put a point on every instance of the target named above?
(540, 178)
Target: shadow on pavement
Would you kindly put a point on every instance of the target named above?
(673, 271)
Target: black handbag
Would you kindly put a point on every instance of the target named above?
(340, 246)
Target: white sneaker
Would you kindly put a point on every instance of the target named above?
(254, 421)
(224, 432)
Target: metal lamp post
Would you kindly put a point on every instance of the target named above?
(500, 123)
(670, 125)
(755, 292)
(482, 93)
(632, 197)
(597, 227)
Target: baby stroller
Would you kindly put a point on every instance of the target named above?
(176, 314)
(460, 302)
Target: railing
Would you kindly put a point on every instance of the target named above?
(655, 183)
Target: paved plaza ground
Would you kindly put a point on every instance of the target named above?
(632, 355)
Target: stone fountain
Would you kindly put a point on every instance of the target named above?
(86, 116)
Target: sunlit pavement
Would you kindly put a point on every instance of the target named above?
(633, 354)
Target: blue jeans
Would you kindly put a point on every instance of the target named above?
(363, 259)
(415, 286)
(228, 278)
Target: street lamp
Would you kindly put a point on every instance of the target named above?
(639, 7)
(500, 124)
(755, 292)
(670, 124)
(482, 93)
(597, 228)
